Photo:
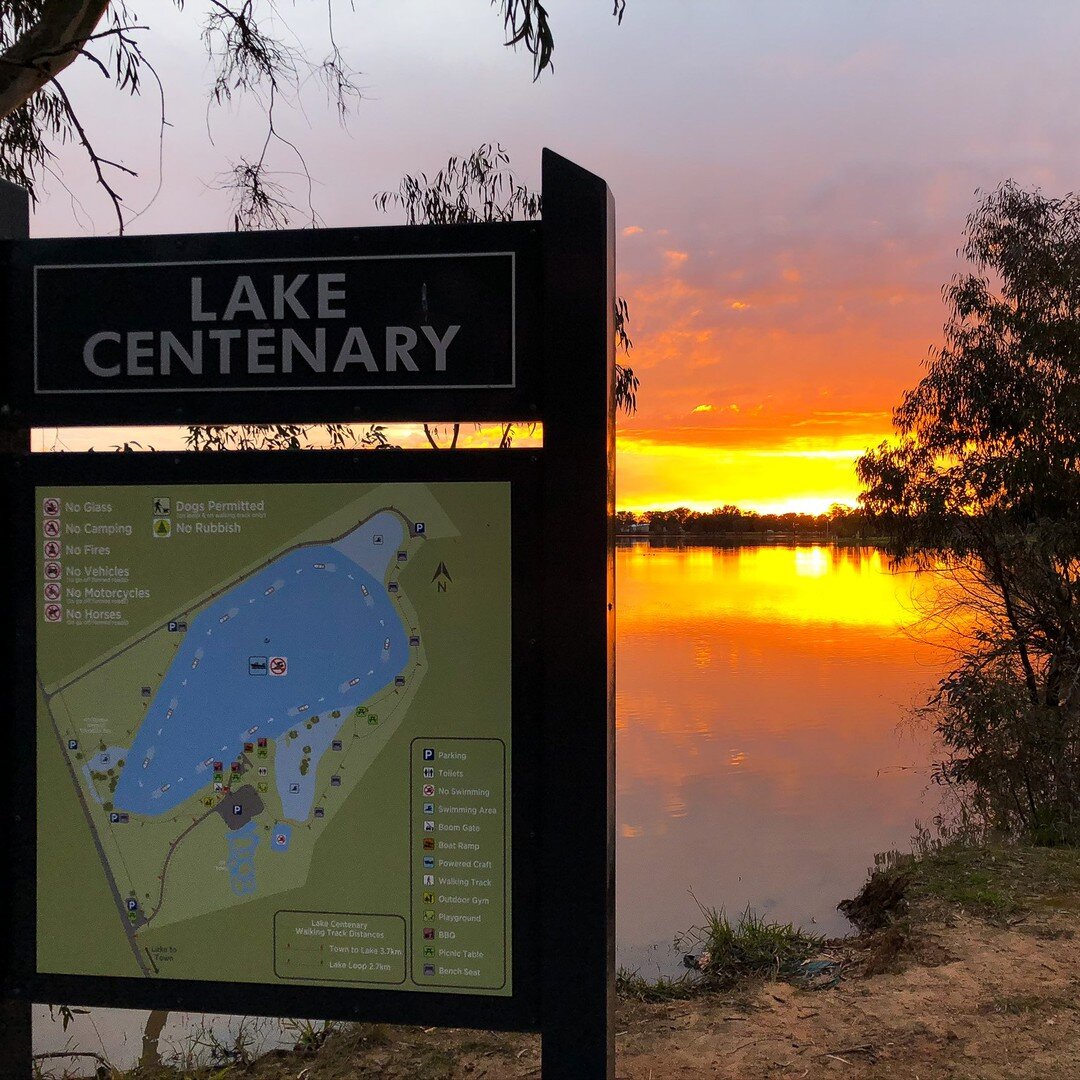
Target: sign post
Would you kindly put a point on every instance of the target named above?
(15, 1017)
(579, 750)
(375, 688)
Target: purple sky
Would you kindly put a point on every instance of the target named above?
(792, 180)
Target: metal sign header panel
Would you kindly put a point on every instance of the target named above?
(436, 321)
(402, 322)
(179, 606)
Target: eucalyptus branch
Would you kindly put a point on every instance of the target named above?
(96, 160)
(29, 30)
(40, 38)
(74, 44)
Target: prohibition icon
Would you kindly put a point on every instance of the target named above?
(52, 591)
(279, 665)
(52, 570)
(51, 527)
(51, 507)
(53, 613)
(52, 549)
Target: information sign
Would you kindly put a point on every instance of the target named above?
(323, 734)
(289, 734)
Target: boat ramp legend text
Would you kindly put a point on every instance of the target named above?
(410, 321)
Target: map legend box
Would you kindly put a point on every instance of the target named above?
(459, 885)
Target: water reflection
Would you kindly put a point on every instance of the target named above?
(760, 762)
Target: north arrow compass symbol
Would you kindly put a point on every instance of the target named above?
(441, 577)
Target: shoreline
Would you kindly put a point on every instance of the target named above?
(967, 968)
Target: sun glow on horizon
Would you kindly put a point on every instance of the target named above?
(769, 476)
(768, 471)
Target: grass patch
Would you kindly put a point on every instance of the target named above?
(994, 881)
(1015, 1004)
(999, 882)
(727, 954)
(721, 955)
(976, 880)
(631, 986)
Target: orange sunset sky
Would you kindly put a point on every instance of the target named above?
(792, 181)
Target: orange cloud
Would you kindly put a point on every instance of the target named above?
(808, 339)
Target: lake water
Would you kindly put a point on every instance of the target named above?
(761, 755)
(761, 761)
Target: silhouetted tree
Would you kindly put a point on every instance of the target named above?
(253, 52)
(841, 522)
(478, 188)
(481, 187)
(984, 485)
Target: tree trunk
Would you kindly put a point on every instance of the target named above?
(151, 1047)
(44, 50)
(998, 570)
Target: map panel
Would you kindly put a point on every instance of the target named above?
(274, 733)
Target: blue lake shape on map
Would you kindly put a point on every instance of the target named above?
(280, 837)
(324, 607)
(101, 762)
(240, 860)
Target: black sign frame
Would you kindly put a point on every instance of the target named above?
(565, 380)
(521, 470)
(103, 272)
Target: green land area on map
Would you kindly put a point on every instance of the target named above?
(274, 733)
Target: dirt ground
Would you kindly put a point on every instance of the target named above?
(973, 1001)
(973, 974)
(1003, 1003)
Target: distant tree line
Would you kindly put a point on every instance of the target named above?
(839, 522)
